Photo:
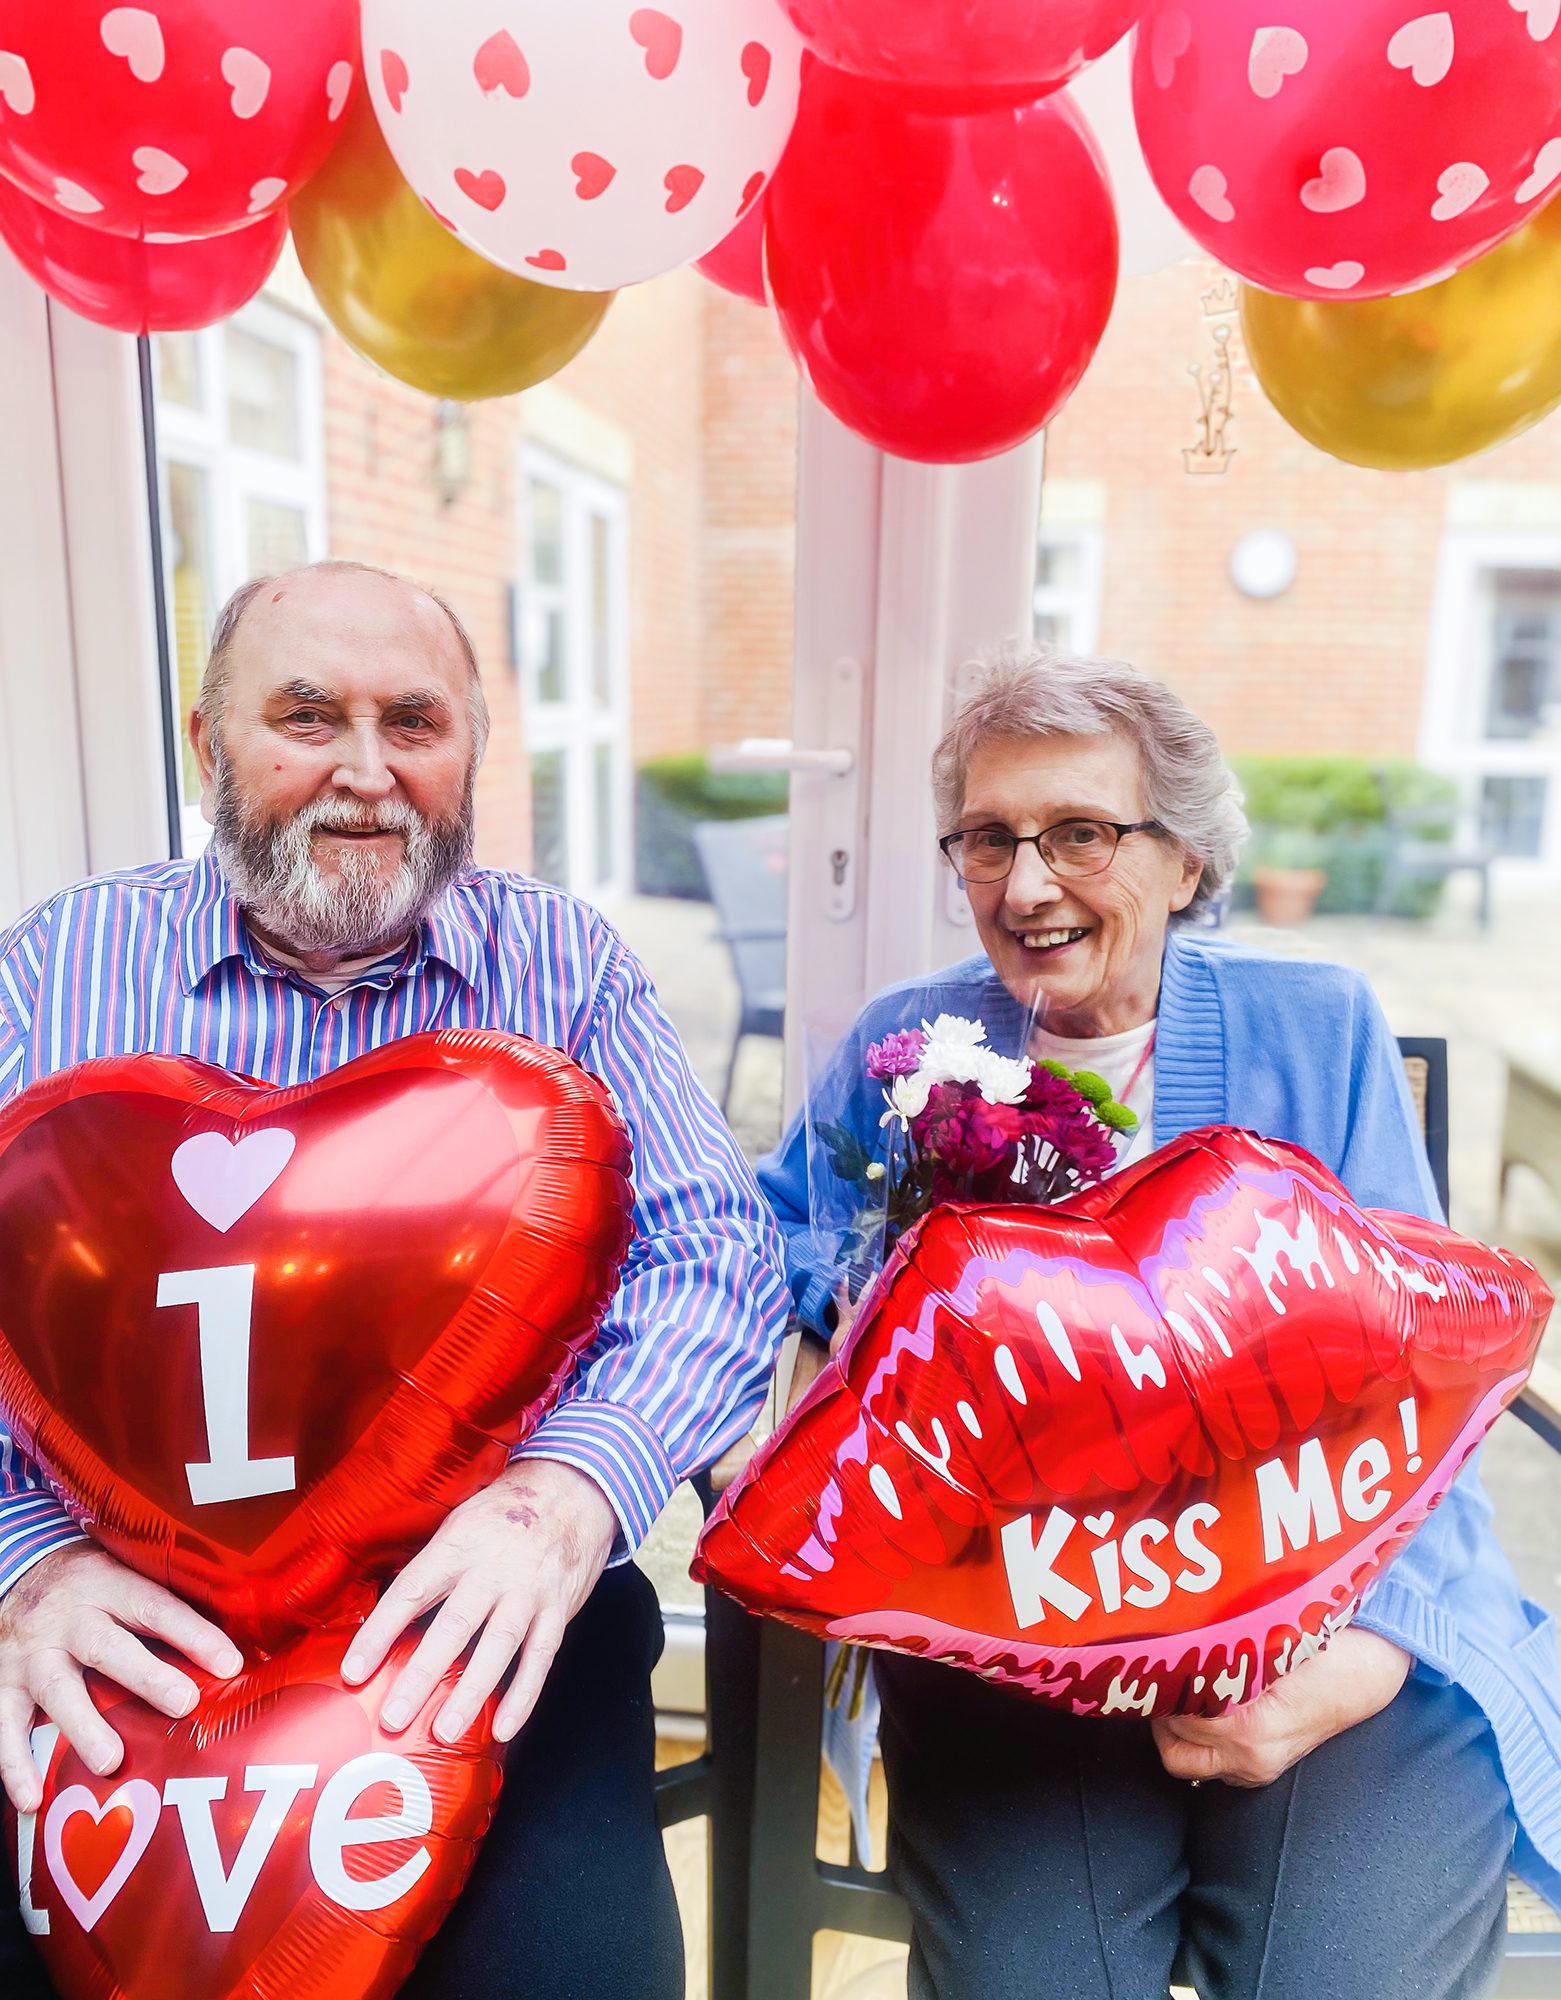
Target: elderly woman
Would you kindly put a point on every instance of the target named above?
(1348, 1833)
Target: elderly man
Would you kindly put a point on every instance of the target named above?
(339, 731)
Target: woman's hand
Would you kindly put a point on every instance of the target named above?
(1353, 1680)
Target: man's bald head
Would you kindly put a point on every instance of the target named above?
(253, 601)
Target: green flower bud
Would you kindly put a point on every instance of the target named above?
(1117, 1117)
(1092, 1088)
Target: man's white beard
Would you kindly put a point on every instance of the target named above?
(270, 867)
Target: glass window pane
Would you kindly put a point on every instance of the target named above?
(547, 533)
(276, 536)
(264, 395)
(1512, 815)
(1525, 683)
(601, 611)
(550, 818)
(606, 818)
(177, 360)
(545, 649)
(192, 595)
(1057, 566)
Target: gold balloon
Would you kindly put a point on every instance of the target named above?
(1428, 378)
(409, 296)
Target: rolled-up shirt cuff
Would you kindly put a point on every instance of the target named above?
(32, 1526)
(620, 1452)
(816, 1307)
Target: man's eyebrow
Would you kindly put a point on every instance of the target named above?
(304, 691)
(427, 701)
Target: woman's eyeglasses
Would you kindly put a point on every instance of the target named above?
(1071, 847)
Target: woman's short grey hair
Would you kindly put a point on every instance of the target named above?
(1032, 691)
(214, 682)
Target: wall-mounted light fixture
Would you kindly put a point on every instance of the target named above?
(1263, 563)
(452, 450)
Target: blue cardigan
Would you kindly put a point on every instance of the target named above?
(1297, 1051)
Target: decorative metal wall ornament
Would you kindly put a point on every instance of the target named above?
(1215, 379)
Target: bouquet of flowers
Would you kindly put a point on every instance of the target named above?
(965, 1123)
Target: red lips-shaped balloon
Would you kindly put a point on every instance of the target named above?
(263, 1340)
(1140, 1452)
(274, 1845)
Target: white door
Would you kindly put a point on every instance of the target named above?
(574, 653)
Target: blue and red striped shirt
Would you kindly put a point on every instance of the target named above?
(158, 960)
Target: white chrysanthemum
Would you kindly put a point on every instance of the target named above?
(950, 1062)
(954, 1029)
(1002, 1079)
(907, 1098)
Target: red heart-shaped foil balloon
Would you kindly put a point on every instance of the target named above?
(272, 1845)
(1140, 1452)
(263, 1340)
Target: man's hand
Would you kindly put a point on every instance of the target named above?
(1353, 1680)
(509, 1568)
(79, 1608)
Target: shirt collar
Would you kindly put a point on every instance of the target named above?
(211, 930)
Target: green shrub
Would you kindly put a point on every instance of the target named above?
(672, 794)
(1331, 812)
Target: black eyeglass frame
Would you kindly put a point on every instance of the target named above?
(1120, 828)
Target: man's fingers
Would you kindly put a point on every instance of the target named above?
(460, 1619)
(1189, 1761)
(120, 1657)
(166, 1617)
(537, 1656)
(405, 1600)
(18, 1773)
(502, 1638)
(61, 1693)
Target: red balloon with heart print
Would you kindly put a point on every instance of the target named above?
(591, 145)
(964, 53)
(274, 1844)
(943, 281)
(132, 285)
(171, 120)
(263, 1340)
(1350, 148)
(1139, 1453)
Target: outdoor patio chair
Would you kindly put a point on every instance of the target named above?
(791, 1894)
(1419, 850)
(745, 871)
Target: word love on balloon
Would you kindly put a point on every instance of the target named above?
(263, 1340)
(1140, 1452)
(274, 1843)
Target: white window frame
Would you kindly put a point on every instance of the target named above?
(1080, 604)
(236, 474)
(1457, 670)
(578, 726)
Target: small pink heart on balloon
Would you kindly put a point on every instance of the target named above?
(1209, 190)
(393, 74)
(487, 189)
(1341, 277)
(158, 172)
(249, 79)
(338, 85)
(1546, 169)
(137, 35)
(682, 184)
(16, 84)
(499, 65)
(757, 64)
(660, 37)
(1170, 39)
(752, 188)
(1425, 48)
(593, 175)
(71, 195)
(265, 195)
(1276, 54)
(1341, 183)
(1458, 188)
(548, 260)
(1541, 16)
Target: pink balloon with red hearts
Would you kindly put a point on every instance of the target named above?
(1350, 148)
(166, 120)
(588, 146)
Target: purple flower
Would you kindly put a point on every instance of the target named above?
(896, 1055)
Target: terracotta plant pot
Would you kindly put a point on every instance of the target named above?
(1287, 896)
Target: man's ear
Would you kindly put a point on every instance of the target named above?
(202, 743)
